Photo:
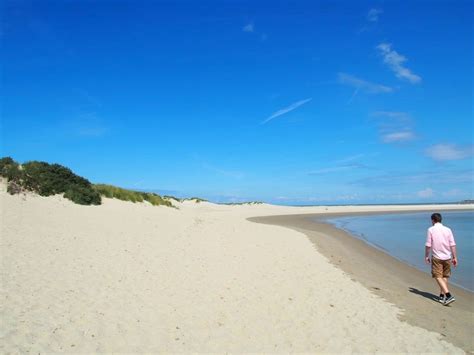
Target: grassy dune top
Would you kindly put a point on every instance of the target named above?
(46, 180)
(50, 179)
(130, 195)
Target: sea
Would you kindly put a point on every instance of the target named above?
(403, 236)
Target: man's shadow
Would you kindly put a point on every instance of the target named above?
(424, 294)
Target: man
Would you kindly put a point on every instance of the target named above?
(440, 241)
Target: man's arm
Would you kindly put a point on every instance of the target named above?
(427, 246)
(455, 258)
(427, 254)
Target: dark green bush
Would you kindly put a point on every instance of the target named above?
(9, 169)
(83, 195)
(48, 179)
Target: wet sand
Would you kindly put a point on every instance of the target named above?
(400, 284)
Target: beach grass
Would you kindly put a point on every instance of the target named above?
(119, 193)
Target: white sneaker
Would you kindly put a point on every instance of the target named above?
(449, 300)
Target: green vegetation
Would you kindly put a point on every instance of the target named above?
(167, 197)
(51, 179)
(46, 180)
(130, 195)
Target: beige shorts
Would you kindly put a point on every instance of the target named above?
(440, 268)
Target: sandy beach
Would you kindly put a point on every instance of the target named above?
(135, 278)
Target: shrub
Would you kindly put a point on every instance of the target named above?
(47, 179)
(82, 195)
(50, 179)
(9, 169)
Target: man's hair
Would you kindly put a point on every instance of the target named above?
(436, 217)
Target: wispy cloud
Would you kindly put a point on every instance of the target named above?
(335, 169)
(360, 84)
(248, 27)
(450, 152)
(87, 125)
(317, 199)
(395, 62)
(285, 110)
(454, 193)
(373, 15)
(396, 179)
(395, 127)
(96, 131)
(229, 173)
(350, 158)
(397, 137)
(426, 193)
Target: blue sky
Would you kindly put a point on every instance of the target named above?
(302, 102)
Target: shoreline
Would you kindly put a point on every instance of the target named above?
(381, 248)
(400, 283)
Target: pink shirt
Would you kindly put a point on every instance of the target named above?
(440, 239)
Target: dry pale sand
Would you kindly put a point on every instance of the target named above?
(133, 278)
(408, 288)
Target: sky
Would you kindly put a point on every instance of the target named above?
(287, 102)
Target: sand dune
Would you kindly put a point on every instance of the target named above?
(124, 277)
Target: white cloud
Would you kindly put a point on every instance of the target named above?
(248, 28)
(450, 152)
(361, 84)
(441, 176)
(350, 158)
(454, 193)
(230, 173)
(290, 108)
(395, 137)
(394, 126)
(426, 193)
(373, 15)
(87, 124)
(395, 61)
(334, 169)
(392, 114)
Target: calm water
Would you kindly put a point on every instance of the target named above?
(403, 236)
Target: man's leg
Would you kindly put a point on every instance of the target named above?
(446, 280)
(443, 286)
(446, 273)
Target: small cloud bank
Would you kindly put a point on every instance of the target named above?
(335, 169)
(235, 174)
(349, 163)
(373, 15)
(360, 84)
(285, 110)
(395, 127)
(440, 177)
(248, 28)
(395, 62)
(444, 152)
(426, 193)
(397, 137)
